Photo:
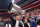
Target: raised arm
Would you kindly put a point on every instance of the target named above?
(11, 17)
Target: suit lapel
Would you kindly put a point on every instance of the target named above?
(20, 24)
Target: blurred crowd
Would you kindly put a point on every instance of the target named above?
(35, 13)
(29, 19)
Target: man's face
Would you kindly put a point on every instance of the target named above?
(17, 17)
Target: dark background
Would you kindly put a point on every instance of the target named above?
(4, 4)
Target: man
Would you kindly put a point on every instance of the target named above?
(17, 22)
(25, 23)
(38, 22)
(32, 22)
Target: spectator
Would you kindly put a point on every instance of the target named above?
(38, 22)
(32, 22)
(25, 23)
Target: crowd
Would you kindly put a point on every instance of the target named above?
(30, 19)
(21, 21)
(34, 14)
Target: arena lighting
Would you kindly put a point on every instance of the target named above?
(16, 5)
(30, 4)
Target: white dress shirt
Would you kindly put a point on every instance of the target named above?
(17, 24)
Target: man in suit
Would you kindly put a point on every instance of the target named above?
(17, 22)
(32, 22)
(25, 23)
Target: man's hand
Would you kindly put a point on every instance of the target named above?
(8, 11)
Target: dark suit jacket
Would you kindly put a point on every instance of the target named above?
(12, 25)
(26, 25)
(11, 17)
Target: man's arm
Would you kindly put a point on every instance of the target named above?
(11, 17)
